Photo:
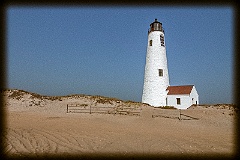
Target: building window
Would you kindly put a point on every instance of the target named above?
(178, 101)
(150, 43)
(160, 72)
(162, 40)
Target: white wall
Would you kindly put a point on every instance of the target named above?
(194, 95)
(184, 101)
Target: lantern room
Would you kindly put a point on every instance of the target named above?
(155, 26)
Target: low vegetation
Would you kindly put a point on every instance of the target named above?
(20, 94)
(167, 107)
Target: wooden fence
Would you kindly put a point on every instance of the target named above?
(180, 117)
(77, 108)
(128, 111)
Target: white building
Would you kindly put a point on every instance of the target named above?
(182, 97)
(156, 89)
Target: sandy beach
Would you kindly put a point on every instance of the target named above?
(37, 126)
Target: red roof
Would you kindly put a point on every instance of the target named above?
(179, 89)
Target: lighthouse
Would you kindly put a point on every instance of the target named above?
(156, 79)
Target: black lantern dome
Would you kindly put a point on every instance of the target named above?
(155, 26)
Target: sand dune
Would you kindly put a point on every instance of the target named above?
(39, 125)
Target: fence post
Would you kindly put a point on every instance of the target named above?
(67, 108)
(180, 115)
(90, 109)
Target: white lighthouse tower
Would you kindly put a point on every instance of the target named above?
(156, 79)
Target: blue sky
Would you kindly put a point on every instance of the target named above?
(101, 50)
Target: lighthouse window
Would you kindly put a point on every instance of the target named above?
(178, 101)
(162, 40)
(160, 72)
(150, 43)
